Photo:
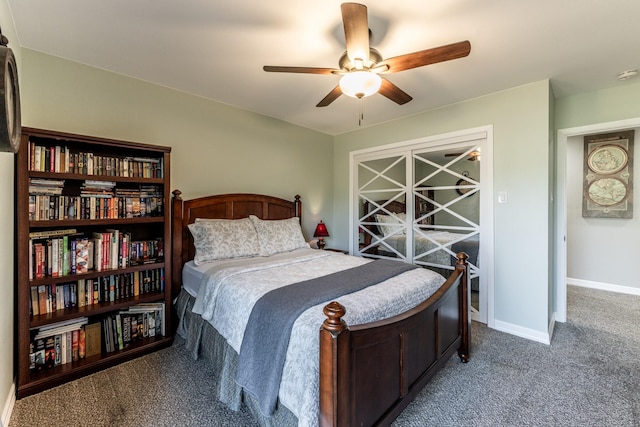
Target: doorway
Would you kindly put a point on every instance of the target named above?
(560, 271)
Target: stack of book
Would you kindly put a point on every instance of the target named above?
(147, 200)
(44, 198)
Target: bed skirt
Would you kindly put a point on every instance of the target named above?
(205, 343)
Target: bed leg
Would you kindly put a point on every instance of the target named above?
(334, 368)
(465, 318)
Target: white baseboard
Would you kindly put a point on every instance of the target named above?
(604, 286)
(519, 331)
(8, 406)
(545, 338)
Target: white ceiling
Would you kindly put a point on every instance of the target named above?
(216, 49)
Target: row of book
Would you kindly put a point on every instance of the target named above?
(137, 322)
(61, 159)
(86, 292)
(98, 201)
(63, 342)
(56, 253)
(46, 207)
(70, 341)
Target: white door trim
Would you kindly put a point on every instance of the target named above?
(561, 204)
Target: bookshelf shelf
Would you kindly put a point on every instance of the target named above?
(43, 380)
(91, 310)
(94, 274)
(93, 250)
(94, 222)
(82, 177)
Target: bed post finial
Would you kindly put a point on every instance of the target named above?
(176, 194)
(334, 312)
(462, 258)
(297, 206)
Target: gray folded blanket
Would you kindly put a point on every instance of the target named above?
(266, 337)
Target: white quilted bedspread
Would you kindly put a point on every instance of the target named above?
(232, 287)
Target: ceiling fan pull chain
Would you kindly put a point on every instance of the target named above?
(361, 116)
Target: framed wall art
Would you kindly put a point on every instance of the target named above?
(608, 175)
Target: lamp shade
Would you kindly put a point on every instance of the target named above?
(358, 84)
(321, 230)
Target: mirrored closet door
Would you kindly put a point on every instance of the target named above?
(421, 204)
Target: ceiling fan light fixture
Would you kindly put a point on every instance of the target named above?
(360, 84)
(626, 75)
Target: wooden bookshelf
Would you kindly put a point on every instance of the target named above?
(124, 171)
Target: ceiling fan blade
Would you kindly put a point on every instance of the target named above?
(428, 56)
(331, 96)
(393, 92)
(356, 30)
(306, 70)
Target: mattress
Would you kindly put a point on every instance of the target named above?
(192, 276)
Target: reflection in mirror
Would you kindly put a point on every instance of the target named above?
(447, 220)
(426, 221)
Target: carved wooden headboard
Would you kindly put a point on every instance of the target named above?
(221, 206)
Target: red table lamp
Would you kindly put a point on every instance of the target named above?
(321, 232)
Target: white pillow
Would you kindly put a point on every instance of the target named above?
(276, 236)
(223, 238)
(397, 219)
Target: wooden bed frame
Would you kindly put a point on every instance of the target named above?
(368, 373)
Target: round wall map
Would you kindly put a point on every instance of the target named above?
(607, 191)
(608, 159)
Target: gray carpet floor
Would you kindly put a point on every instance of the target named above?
(588, 376)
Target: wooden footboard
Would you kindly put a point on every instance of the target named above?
(370, 373)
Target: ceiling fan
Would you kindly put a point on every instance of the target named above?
(362, 65)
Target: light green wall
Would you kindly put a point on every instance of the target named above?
(520, 119)
(607, 105)
(6, 235)
(215, 148)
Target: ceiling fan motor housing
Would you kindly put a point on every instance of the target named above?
(374, 57)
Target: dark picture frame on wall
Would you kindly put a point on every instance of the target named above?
(608, 175)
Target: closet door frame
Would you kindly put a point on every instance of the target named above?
(483, 136)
